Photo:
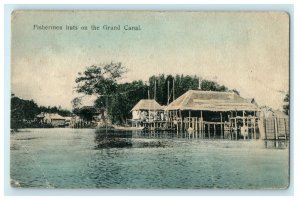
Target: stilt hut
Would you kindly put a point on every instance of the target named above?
(210, 114)
(147, 111)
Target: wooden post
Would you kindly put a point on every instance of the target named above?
(189, 118)
(173, 89)
(208, 125)
(204, 131)
(200, 128)
(196, 127)
(243, 118)
(235, 125)
(180, 116)
(255, 135)
(177, 127)
(168, 92)
(276, 128)
(285, 132)
(201, 132)
(214, 131)
(222, 134)
(154, 90)
(265, 126)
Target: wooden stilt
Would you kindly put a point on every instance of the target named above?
(222, 134)
(235, 128)
(265, 126)
(254, 128)
(208, 125)
(285, 132)
(204, 130)
(276, 128)
(189, 118)
(202, 126)
(196, 127)
(214, 131)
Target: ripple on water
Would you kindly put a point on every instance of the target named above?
(73, 158)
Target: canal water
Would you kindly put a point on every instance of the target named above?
(83, 158)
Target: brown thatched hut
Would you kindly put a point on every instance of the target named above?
(147, 110)
(214, 112)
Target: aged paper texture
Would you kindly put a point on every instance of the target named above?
(149, 99)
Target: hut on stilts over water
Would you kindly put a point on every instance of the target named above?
(210, 114)
(147, 112)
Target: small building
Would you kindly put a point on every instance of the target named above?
(147, 110)
(52, 119)
(275, 123)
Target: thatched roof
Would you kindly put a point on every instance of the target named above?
(56, 116)
(211, 101)
(50, 115)
(280, 114)
(147, 104)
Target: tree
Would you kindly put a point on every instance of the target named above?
(126, 96)
(23, 112)
(208, 85)
(286, 106)
(100, 80)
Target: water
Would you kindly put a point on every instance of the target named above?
(79, 158)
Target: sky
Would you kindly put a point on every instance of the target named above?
(246, 51)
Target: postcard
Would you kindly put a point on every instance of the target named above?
(150, 99)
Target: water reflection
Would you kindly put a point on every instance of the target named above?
(276, 144)
(112, 139)
(128, 139)
(133, 139)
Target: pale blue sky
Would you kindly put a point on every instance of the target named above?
(248, 51)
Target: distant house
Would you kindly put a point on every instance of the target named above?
(53, 119)
(147, 110)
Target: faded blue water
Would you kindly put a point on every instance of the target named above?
(76, 158)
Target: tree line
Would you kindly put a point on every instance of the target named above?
(23, 112)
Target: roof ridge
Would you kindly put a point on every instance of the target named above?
(188, 94)
(210, 91)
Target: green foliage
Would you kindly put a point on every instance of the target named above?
(86, 113)
(127, 95)
(55, 109)
(286, 106)
(181, 83)
(207, 85)
(100, 79)
(24, 112)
